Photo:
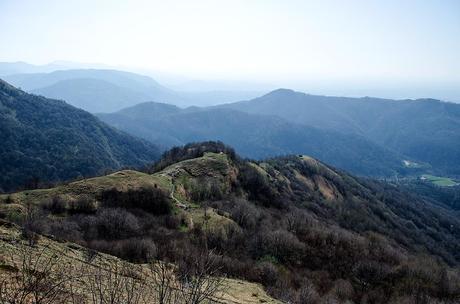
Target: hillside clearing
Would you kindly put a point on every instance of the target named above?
(439, 180)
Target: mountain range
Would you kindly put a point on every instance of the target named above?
(408, 136)
(107, 90)
(425, 130)
(366, 136)
(255, 136)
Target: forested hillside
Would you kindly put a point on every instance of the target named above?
(305, 231)
(45, 140)
(256, 136)
(426, 130)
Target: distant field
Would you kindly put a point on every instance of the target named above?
(439, 181)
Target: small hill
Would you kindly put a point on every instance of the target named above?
(49, 140)
(256, 136)
(293, 224)
(425, 130)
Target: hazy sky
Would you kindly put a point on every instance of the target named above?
(343, 42)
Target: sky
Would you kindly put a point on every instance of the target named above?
(388, 48)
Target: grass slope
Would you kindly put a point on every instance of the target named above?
(75, 256)
(439, 181)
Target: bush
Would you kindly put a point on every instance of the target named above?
(56, 205)
(258, 187)
(205, 190)
(267, 273)
(282, 245)
(135, 249)
(8, 200)
(152, 200)
(83, 205)
(116, 223)
(66, 230)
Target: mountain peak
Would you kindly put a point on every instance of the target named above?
(282, 91)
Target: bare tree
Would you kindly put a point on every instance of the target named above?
(38, 275)
(163, 282)
(308, 294)
(31, 224)
(117, 283)
(198, 278)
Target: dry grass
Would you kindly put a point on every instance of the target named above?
(75, 259)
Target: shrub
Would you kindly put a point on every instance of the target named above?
(66, 230)
(135, 249)
(267, 273)
(258, 187)
(116, 223)
(152, 200)
(8, 200)
(84, 204)
(203, 190)
(244, 214)
(56, 205)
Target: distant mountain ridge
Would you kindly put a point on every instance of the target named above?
(426, 130)
(49, 140)
(108, 90)
(9, 68)
(255, 136)
(94, 95)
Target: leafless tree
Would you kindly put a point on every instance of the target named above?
(31, 223)
(308, 294)
(163, 282)
(116, 283)
(198, 278)
(38, 275)
(295, 220)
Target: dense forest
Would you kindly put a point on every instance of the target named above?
(439, 195)
(45, 140)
